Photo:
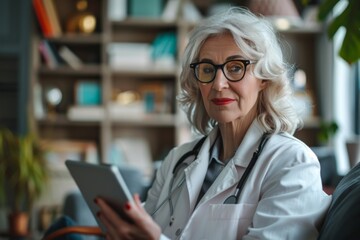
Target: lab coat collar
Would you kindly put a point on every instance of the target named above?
(249, 144)
(231, 174)
(195, 172)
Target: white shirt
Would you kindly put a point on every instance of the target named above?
(282, 198)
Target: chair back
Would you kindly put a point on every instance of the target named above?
(342, 220)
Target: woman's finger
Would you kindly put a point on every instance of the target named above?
(110, 214)
(111, 233)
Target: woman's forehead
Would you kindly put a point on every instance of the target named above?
(222, 46)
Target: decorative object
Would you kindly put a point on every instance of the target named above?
(282, 13)
(83, 21)
(53, 98)
(23, 176)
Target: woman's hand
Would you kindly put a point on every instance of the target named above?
(143, 226)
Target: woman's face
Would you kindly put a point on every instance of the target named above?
(227, 101)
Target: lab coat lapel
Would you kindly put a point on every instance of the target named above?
(195, 172)
(227, 178)
(235, 168)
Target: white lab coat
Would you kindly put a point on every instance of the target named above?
(282, 198)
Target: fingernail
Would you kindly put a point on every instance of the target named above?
(127, 206)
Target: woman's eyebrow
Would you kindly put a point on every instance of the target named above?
(233, 57)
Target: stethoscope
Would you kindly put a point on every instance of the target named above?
(233, 199)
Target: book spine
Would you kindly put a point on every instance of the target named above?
(42, 17)
(44, 52)
(52, 55)
(70, 57)
(50, 9)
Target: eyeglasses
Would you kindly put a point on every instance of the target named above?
(234, 70)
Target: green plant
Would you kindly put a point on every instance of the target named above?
(327, 130)
(23, 172)
(349, 18)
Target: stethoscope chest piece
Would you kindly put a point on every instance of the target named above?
(231, 200)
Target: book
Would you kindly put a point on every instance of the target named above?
(145, 9)
(117, 10)
(88, 92)
(156, 97)
(164, 46)
(49, 54)
(50, 9)
(70, 57)
(58, 151)
(43, 18)
(86, 113)
(129, 54)
(172, 10)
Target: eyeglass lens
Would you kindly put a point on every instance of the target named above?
(233, 71)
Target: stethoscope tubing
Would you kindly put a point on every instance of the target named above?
(232, 199)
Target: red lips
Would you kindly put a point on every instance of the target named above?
(222, 101)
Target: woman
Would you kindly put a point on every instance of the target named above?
(234, 89)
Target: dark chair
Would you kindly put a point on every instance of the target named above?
(342, 220)
(329, 175)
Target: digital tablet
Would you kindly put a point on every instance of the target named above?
(100, 180)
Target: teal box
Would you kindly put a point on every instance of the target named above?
(88, 93)
(145, 8)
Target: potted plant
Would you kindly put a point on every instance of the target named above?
(327, 131)
(23, 177)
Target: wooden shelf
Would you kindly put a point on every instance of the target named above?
(85, 70)
(63, 120)
(144, 23)
(145, 72)
(146, 120)
(94, 38)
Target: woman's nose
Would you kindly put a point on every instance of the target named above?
(220, 80)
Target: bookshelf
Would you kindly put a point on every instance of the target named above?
(138, 93)
(156, 120)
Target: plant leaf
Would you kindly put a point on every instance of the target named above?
(325, 8)
(350, 48)
(342, 19)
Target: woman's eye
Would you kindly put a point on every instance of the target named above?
(235, 68)
(207, 70)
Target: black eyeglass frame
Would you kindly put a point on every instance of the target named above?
(221, 66)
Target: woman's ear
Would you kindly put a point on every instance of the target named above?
(263, 84)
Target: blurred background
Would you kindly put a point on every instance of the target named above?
(96, 81)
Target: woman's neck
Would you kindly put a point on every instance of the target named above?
(233, 133)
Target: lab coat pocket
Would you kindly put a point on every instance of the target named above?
(231, 221)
